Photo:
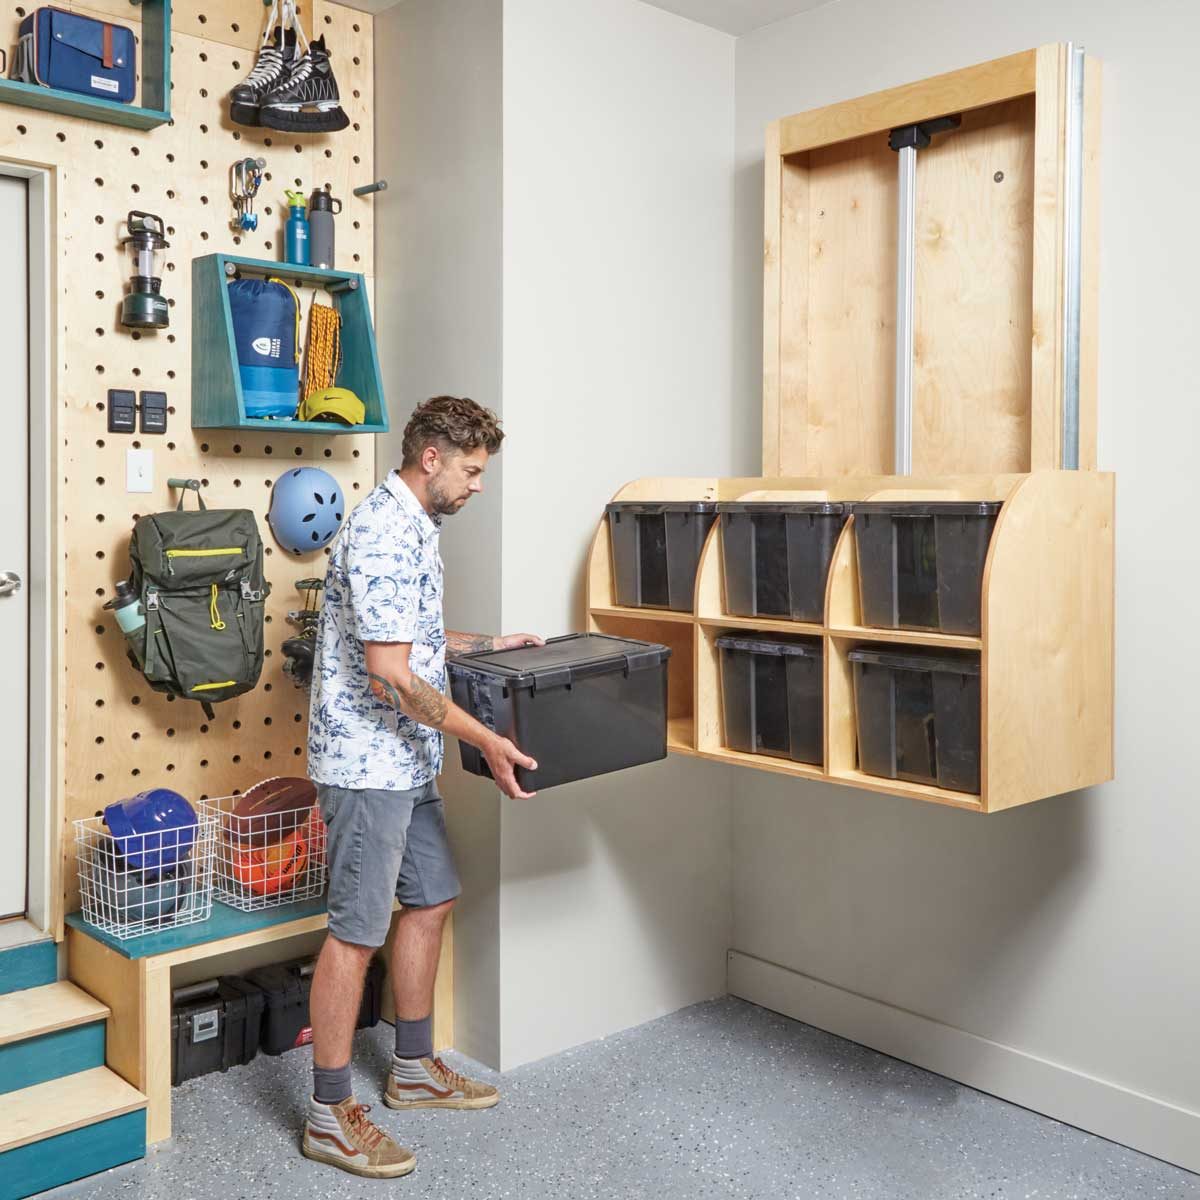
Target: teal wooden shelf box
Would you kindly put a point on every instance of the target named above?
(217, 401)
(154, 51)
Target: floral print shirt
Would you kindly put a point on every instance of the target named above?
(384, 584)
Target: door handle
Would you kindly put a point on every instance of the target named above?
(10, 582)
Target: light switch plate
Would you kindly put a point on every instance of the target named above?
(139, 470)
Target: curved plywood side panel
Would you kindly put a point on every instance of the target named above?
(1048, 640)
(709, 603)
(599, 572)
(654, 487)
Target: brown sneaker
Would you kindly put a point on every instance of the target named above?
(429, 1083)
(341, 1134)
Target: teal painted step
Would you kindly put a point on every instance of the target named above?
(217, 399)
(28, 966)
(224, 922)
(50, 1056)
(30, 1169)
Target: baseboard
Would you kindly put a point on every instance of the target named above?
(1107, 1109)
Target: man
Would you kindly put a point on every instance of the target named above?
(379, 711)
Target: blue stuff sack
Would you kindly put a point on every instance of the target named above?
(266, 331)
(74, 53)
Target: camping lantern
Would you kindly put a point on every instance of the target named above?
(144, 308)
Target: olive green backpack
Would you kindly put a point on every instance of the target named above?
(200, 578)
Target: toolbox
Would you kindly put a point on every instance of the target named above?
(656, 549)
(215, 1025)
(581, 705)
(286, 988)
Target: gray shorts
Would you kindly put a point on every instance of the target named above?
(382, 844)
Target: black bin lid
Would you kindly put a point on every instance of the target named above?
(927, 508)
(654, 508)
(563, 659)
(755, 508)
(779, 647)
(957, 662)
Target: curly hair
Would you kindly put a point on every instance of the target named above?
(451, 423)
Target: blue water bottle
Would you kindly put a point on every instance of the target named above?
(297, 229)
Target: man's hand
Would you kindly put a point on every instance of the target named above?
(514, 641)
(502, 757)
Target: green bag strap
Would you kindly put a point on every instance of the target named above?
(152, 626)
(187, 485)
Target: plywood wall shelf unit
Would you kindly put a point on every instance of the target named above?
(989, 309)
(151, 23)
(217, 399)
(1046, 649)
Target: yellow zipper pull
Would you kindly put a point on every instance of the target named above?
(214, 612)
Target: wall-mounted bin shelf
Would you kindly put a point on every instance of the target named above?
(217, 400)
(154, 64)
(1045, 652)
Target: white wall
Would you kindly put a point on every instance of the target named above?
(1053, 949)
(574, 224)
(618, 216)
(438, 310)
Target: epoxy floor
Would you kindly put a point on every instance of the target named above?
(722, 1099)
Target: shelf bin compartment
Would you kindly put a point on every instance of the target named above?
(580, 705)
(772, 691)
(655, 551)
(920, 565)
(917, 715)
(777, 557)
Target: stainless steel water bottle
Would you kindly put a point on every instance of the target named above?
(321, 212)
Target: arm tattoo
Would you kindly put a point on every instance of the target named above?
(420, 701)
(469, 643)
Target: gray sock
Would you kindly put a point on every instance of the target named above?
(332, 1085)
(414, 1039)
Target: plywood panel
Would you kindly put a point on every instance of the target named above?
(851, 315)
(1048, 639)
(973, 306)
(121, 736)
(956, 91)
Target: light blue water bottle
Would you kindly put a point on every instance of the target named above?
(127, 608)
(297, 229)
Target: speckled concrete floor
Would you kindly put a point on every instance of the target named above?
(722, 1100)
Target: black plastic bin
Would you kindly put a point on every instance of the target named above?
(772, 690)
(777, 557)
(580, 705)
(920, 566)
(215, 1025)
(655, 549)
(286, 988)
(918, 715)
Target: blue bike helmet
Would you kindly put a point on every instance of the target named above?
(154, 830)
(135, 901)
(307, 506)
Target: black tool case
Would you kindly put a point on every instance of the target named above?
(580, 705)
(286, 987)
(215, 1025)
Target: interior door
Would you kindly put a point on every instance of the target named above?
(14, 547)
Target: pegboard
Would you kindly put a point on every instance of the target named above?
(118, 735)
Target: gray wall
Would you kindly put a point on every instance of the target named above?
(595, 181)
(618, 218)
(1050, 953)
(438, 311)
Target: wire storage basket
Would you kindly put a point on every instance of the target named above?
(145, 882)
(268, 858)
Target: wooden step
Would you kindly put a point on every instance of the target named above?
(70, 1102)
(39, 1010)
